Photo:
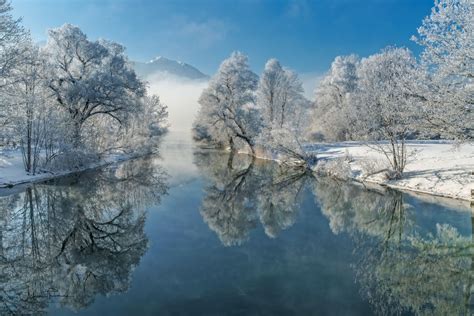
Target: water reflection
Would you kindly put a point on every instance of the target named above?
(72, 239)
(302, 242)
(242, 192)
(407, 259)
(405, 266)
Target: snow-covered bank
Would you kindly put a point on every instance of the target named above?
(12, 171)
(434, 167)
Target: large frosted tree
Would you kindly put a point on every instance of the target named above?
(90, 78)
(228, 116)
(12, 36)
(280, 96)
(448, 38)
(386, 110)
(284, 110)
(333, 114)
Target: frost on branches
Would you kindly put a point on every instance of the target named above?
(240, 112)
(69, 103)
(228, 116)
(385, 111)
(448, 38)
(333, 114)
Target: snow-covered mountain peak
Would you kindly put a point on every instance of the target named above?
(163, 66)
(157, 58)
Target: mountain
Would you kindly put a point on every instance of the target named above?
(164, 66)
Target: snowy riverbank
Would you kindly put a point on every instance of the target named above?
(434, 167)
(12, 171)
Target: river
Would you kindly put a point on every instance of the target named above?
(187, 232)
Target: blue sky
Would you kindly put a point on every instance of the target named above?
(305, 35)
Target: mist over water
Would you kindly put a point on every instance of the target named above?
(181, 96)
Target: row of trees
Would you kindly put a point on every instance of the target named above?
(393, 96)
(239, 110)
(390, 96)
(73, 99)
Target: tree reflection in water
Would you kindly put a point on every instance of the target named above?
(241, 192)
(402, 268)
(81, 237)
(76, 238)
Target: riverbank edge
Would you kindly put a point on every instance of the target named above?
(43, 177)
(383, 184)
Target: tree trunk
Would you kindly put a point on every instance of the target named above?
(28, 147)
(3, 215)
(230, 161)
(76, 134)
(252, 149)
(29, 126)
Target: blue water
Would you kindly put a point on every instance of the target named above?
(191, 234)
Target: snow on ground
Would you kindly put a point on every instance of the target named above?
(435, 167)
(12, 171)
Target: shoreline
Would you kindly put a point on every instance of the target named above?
(451, 177)
(12, 185)
(436, 168)
(418, 184)
(417, 191)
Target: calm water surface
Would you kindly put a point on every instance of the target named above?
(192, 233)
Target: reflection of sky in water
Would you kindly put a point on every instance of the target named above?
(288, 252)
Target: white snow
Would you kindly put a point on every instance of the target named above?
(435, 167)
(13, 173)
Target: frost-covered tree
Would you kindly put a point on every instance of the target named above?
(90, 78)
(333, 113)
(26, 95)
(145, 129)
(448, 37)
(284, 111)
(140, 134)
(71, 100)
(384, 104)
(280, 96)
(12, 36)
(227, 114)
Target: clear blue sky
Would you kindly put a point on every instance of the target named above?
(304, 34)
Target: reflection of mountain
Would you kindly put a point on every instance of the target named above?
(242, 192)
(161, 66)
(72, 241)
